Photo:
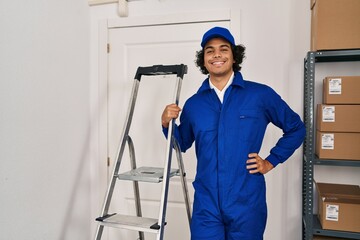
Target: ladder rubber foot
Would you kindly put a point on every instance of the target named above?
(101, 219)
(156, 226)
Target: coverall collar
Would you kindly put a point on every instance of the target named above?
(237, 81)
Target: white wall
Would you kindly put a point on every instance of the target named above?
(44, 120)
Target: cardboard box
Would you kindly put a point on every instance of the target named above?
(336, 145)
(339, 206)
(341, 90)
(335, 24)
(338, 118)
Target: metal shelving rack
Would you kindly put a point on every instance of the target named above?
(311, 225)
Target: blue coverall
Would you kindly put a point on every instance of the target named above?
(229, 202)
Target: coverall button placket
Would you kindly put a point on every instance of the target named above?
(220, 159)
(223, 163)
(215, 101)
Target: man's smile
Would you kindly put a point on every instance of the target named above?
(218, 63)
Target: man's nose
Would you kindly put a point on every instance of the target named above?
(217, 54)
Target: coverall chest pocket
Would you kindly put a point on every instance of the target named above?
(248, 124)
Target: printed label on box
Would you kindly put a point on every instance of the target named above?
(335, 86)
(332, 212)
(328, 114)
(327, 141)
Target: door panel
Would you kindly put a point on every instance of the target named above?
(131, 47)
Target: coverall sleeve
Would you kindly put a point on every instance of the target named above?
(183, 133)
(281, 115)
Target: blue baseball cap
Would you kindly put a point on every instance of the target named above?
(217, 32)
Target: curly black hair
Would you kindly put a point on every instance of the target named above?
(238, 52)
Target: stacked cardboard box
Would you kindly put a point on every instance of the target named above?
(339, 206)
(338, 119)
(335, 24)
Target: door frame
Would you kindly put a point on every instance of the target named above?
(101, 165)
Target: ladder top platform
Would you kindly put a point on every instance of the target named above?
(179, 70)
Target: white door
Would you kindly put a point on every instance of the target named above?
(153, 44)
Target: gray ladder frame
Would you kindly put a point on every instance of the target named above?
(158, 228)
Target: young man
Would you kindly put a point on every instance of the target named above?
(227, 119)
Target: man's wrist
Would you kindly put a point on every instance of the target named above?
(165, 124)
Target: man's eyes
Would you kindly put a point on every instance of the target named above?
(221, 49)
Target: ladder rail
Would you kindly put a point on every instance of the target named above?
(135, 183)
(120, 153)
(167, 163)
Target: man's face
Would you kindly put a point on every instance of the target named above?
(218, 57)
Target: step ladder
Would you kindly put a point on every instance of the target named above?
(146, 174)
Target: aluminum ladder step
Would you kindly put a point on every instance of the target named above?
(141, 224)
(147, 174)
